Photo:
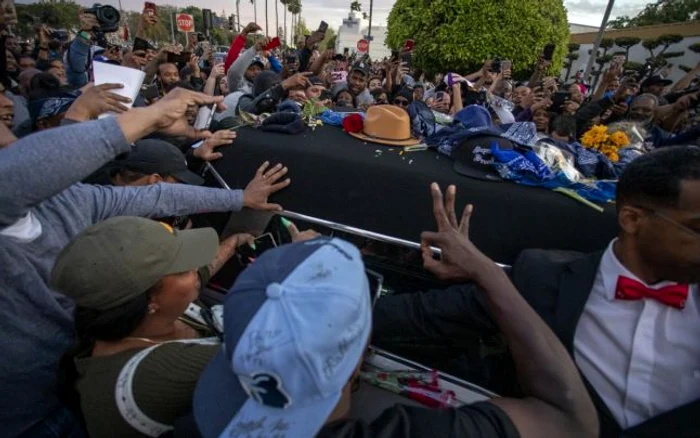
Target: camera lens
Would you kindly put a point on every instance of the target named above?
(108, 15)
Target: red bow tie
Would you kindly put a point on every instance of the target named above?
(674, 295)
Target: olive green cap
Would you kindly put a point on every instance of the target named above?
(117, 260)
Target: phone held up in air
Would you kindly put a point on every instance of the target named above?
(273, 44)
(408, 46)
(150, 92)
(323, 27)
(149, 8)
(548, 52)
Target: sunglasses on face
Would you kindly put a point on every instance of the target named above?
(400, 102)
(669, 220)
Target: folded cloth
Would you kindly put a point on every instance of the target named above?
(334, 118)
(285, 123)
(528, 169)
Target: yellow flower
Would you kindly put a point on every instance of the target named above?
(619, 139)
(613, 157)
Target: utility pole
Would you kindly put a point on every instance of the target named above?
(598, 38)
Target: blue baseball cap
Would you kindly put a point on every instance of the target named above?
(297, 322)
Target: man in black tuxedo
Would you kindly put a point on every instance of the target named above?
(629, 315)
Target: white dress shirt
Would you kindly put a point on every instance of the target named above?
(642, 357)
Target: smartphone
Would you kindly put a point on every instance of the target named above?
(407, 58)
(140, 44)
(496, 65)
(204, 117)
(558, 100)
(548, 51)
(376, 282)
(150, 92)
(247, 254)
(275, 43)
(408, 45)
(323, 27)
(506, 64)
(182, 58)
(149, 8)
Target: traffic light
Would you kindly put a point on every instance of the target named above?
(230, 22)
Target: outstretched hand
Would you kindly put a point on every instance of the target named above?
(460, 259)
(206, 152)
(96, 100)
(263, 185)
(169, 112)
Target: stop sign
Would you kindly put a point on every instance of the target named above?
(185, 22)
(362, 46)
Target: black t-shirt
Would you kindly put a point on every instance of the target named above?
(484, 420)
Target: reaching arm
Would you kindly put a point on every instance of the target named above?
(686, 80)
(556, 402)
(61, 156)
(77, 64)
(159, 200)
(252, 105)
(275, 64)
(237, 70)
(237, 46)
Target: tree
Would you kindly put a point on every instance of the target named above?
(694, 48)
(294, 7)
(685, 68)
(328, 41)
(277, 18)
(651, 44)
(60, 15)
(663, 11)
(606, 44)
(284, 8)
(355, 6)
(443, 44)
(570, 57)
(301, 29)
(365, 16)
(627, 43)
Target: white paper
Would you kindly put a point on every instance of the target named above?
(131, 78)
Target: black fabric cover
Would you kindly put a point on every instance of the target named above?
(339, 178)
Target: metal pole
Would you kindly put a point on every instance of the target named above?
(598, 38)
(369, 32)
(238, 15)
(172, 26)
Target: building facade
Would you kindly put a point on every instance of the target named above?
(354, 29)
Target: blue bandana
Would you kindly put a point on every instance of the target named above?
(49, 107)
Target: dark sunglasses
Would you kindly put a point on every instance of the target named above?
(401, 102)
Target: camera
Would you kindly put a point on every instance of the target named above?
(496, 65)
(59, 35)
(107, 16)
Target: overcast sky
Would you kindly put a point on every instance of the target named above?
(333, 11)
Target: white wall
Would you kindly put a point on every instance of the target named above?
(640, 54)
(353, 30)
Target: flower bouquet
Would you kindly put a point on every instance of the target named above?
(600, 139)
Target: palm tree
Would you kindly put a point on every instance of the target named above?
(355, 6)
(295, 10)
(277, 19)
(284, 8)
(267, 23)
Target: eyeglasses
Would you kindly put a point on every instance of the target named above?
(669, 220)
(400, 102)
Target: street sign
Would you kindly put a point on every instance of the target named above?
(185, 22)
(362, 46)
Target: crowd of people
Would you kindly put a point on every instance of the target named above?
(101, 258)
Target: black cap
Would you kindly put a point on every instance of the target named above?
(158, 156)
(315, 80)
(361, 66)
(473, 157)
(654, 80)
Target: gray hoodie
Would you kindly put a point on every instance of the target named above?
(42, 207)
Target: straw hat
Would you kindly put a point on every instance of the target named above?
(387, 124)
